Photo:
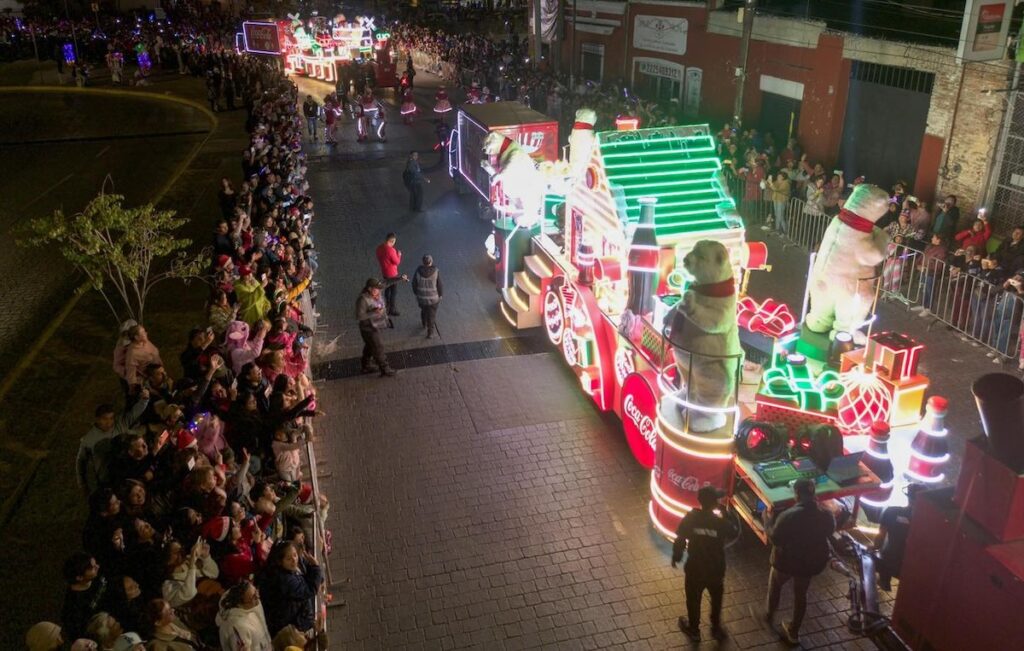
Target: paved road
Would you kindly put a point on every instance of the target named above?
(485, 502)
(60, 150)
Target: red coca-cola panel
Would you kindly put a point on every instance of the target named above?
(677, 478)
(639, 413)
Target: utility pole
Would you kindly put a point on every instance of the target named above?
(537, 31)
(741, 71)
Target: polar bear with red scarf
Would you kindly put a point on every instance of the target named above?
(843, 278)
(705, 337)
(520, 180)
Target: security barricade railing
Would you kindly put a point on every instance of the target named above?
(986, 313)
(791, 220)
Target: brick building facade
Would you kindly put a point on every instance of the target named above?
(883, 109)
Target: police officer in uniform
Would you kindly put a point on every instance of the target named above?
(703, 533)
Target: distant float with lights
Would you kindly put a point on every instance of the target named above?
(599, 265)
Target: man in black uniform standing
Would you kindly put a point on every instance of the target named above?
(703, 532)
(891, 541)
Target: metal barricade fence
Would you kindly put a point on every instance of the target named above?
(979, 310)
(797, 225)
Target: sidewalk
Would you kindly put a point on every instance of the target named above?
(51, 404)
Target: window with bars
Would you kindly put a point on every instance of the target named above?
(893, 76)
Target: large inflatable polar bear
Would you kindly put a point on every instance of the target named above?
(705, 337)
(842, 279)
(520, 180)
(581, 142)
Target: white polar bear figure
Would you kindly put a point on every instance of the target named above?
(705, 337)
(581, 142)
(520, 180)
(841, 283)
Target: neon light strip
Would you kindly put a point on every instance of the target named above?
(666, 151)
(619, 143)
(693, 453)
(504, 313)
(662, 184)
(529, 284)
(685, 165)
(671, 535)
(927, 480)
(671, 392)
(665, 501)
(927, 459)
(692, 437)
(877, 455)
(462, 116)
(676, 172)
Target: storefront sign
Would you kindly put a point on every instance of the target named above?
(639, 409)
(660, 34)
(261, 38)
(984, 30)
(656, 69)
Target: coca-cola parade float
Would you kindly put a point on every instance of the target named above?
(631, 256)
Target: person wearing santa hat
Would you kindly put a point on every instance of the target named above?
(408, 106)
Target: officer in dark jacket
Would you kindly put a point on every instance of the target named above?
(800, 551)
(426, 285)
(704, 533)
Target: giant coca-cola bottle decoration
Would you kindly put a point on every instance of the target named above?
(643, 261)
(930, 450)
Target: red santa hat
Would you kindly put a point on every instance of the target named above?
(185, 440)
(217, 528)
(223, 261)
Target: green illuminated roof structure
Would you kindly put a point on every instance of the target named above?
(676, 165)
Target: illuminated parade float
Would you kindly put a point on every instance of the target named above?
(334, 50)
(631, 255)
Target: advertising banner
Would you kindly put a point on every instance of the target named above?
(261, 38)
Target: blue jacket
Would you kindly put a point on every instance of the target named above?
(288, 598)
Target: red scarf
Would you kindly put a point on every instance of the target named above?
(720, 289)
(582, 125)
(505, 144)
(856, 222)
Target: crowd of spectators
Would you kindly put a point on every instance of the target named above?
(140, 40)
(201, 527)
(502, 71)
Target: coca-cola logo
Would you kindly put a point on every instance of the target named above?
(642, 421)
(687, 483)
(638, 411)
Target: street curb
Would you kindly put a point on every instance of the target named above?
(25, 362)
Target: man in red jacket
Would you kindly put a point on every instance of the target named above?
(389, 258)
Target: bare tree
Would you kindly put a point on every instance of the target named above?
(123, 251)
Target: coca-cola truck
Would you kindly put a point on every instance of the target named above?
(533, 131)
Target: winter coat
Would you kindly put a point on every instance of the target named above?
(800, 539)
(137, 357)
(389, 258)
(243, 629)
(971, 237)
(180, 588)
(252, 301)
(426, 285)
(288, 597)
(92, 465)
